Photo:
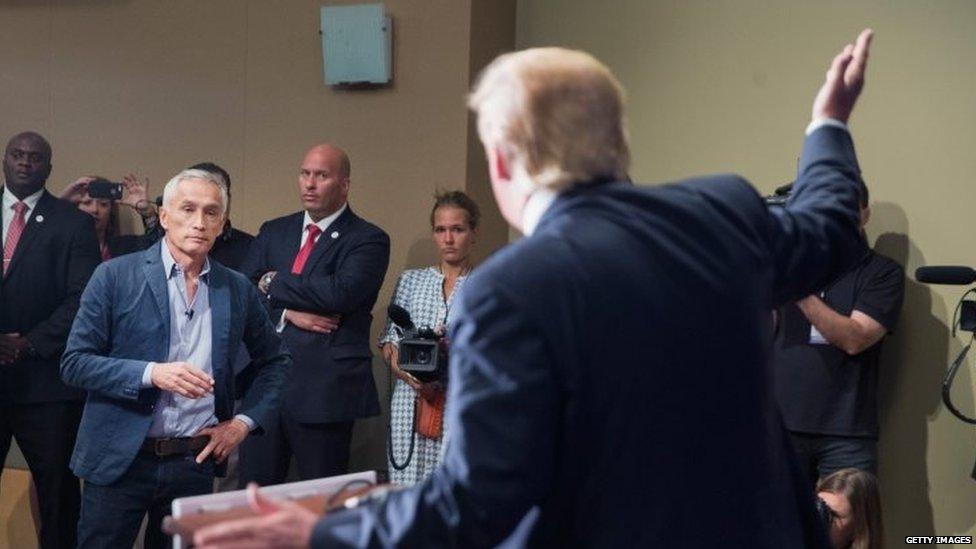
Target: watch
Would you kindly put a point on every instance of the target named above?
(265, 281)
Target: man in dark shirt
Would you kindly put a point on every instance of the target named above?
(232, 244)
(826, 362)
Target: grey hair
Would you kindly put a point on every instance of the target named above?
(169, 192)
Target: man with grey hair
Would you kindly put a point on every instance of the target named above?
(153, 344)
(608, 373)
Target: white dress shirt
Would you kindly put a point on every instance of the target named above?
(8, 209)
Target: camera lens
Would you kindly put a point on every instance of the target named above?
(423, 357)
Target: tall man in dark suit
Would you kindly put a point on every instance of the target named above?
(49, 252)
(609, 385)
(153, 344)
(321, 270)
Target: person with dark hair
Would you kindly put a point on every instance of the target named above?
(854, 504)
(609, 384)
(826, 357)
(49, 252)
(111, 242)
(428, 295)
(232, 245)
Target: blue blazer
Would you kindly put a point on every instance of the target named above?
(332, 377)
(609, 380)
(123, 323)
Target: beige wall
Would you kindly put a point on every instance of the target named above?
(727, 86)
(151, 87)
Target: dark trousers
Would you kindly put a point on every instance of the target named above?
(821, 455)
(320, 450)
(46, 434)
(111, 515)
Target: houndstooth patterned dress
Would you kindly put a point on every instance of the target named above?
(420, 292)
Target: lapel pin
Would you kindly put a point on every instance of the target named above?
(334, 235)
(40, 219)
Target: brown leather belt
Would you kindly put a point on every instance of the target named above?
(176, 446)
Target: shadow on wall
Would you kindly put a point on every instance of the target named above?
(911, 368)
(422, 253)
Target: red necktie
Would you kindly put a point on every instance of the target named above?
(13, 234)
(302, 257)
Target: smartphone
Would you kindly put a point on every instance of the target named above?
(103, 188)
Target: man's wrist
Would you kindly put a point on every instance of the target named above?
(146, 208)
(147, 375)
(247, 422)
(822, 121)
(265, 282)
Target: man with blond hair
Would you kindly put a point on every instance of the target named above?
(608, 374)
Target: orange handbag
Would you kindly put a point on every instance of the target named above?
(430, 415)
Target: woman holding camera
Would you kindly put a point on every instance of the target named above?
(416, 412)
(106, 213)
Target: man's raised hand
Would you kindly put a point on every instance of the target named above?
(844, 81)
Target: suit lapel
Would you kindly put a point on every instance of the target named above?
(40, 218)
(329, 237)
(219, 297)
(293, 237)
(156, 280)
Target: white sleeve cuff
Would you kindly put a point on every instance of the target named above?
(147, 376)
(246, 421)
(818, 123)
(281, 322)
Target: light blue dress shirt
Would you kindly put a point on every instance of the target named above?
(190, 340)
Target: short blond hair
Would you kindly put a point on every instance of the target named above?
(559, 111)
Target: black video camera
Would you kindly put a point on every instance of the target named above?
(963, 318)
(423, 352)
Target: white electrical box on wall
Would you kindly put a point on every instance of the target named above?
(356, 44)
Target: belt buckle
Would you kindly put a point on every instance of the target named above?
(159, 447)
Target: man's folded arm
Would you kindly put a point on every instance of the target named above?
(358, 277)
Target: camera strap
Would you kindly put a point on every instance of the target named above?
(949, 377)
(950, 374)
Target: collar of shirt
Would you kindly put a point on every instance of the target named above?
(323, 223)
(9, 200)
(170, 267)
(537, 204)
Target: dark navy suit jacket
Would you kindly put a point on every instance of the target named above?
(332, 377)
(123, 323)
(609, 379)
(55, 256)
